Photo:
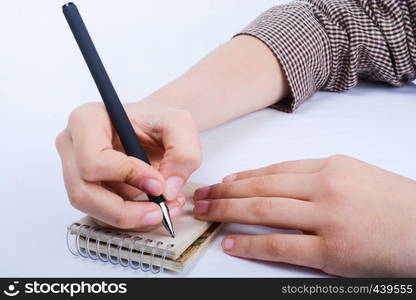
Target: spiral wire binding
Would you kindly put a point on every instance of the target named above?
(77, 242)
(97, 249)
(132, 264)
(152, 263)
(87, 247)
(120, 245)
(158, 252)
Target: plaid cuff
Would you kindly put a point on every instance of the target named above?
(331, 44)
(300, 43)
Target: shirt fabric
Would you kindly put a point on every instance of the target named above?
(331, 44)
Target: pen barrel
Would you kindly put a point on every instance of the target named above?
(110, 98)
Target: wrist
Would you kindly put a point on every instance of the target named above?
(194, 92)
(177, 94)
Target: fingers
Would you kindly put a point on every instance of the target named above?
(111, 165)
(102, 204)
(106, 206)
(295, 166)
(183, 152)
(304, 250)
(181, 199)
(98, 161)
(127, 192)
(111, 209)
(298, 186)
(277, 212)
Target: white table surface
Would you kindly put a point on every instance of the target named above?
(144, 45)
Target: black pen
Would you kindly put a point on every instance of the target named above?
(114, 107)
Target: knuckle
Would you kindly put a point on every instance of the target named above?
(77, 114)
(261, 207)
(76, 198)
(275, 168)
(215, 191)
(260, 185)
(273, 247)
(82, 112)
(246, 246)
(89, 169)
(223, 209)
(121, 221)
(132, 175)
(244, 174)
(335, 251)
(337, 159)
(330, 183)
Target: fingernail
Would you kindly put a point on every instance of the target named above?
(152, 186)
(230, 178)
(201, 193)
(201, 207)
(228, 244)
(173, 186)
(152, 218)
(181, 200)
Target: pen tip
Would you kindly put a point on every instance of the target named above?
(166, 219)
(169, 227)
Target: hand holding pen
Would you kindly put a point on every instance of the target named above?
(99, 177)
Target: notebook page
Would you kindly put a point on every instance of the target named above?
(187, 228)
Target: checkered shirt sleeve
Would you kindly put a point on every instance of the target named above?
(331, 44)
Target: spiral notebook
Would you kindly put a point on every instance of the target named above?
(149, 251)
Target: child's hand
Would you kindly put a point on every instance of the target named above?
(358, 220)
(99, 176)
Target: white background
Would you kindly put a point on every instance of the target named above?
(145, 44)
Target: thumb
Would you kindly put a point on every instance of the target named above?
(182, 155)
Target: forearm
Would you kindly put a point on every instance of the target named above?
(318, 44)
(239, 77)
